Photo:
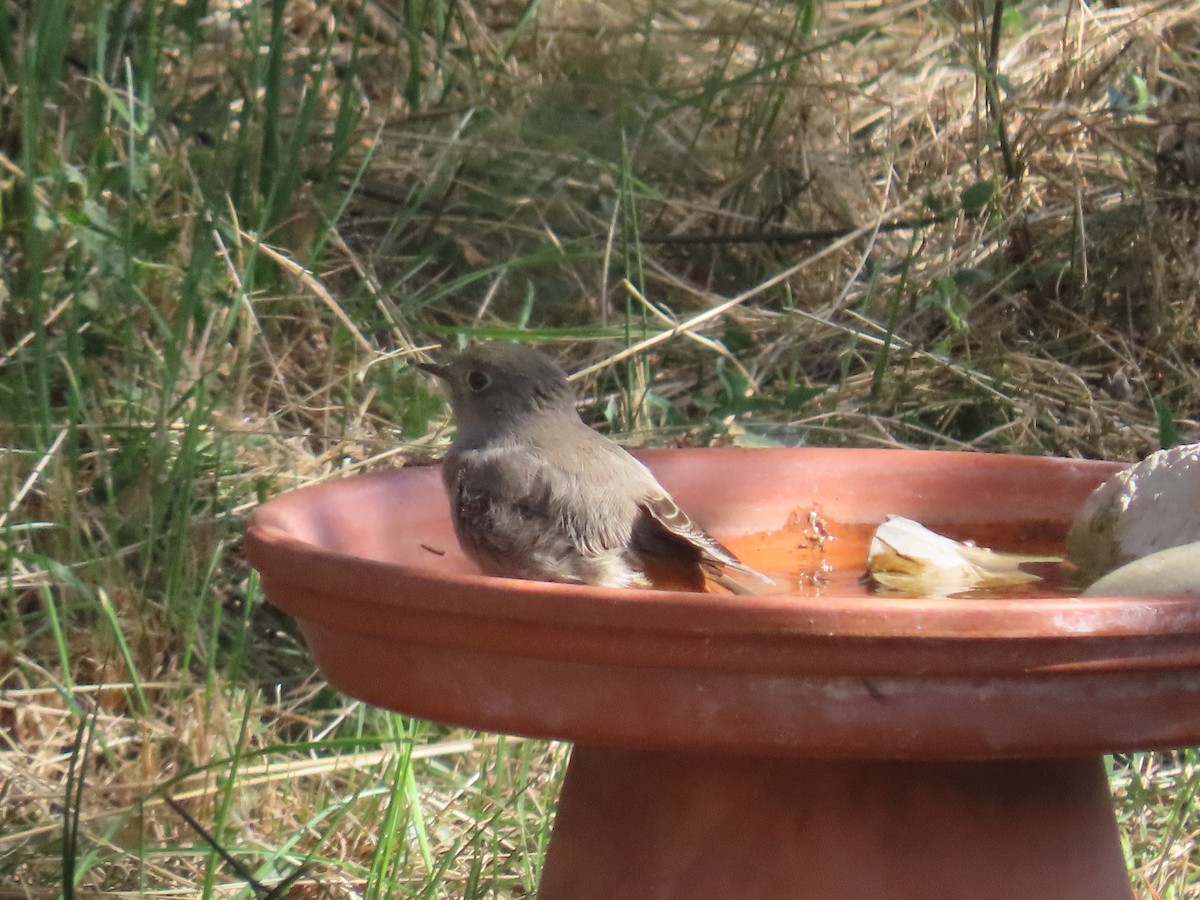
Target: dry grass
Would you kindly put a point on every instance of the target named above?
(728, 187)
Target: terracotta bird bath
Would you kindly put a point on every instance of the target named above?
(819, 742)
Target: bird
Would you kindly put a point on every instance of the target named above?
(535, 493)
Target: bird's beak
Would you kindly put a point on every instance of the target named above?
(442, 372)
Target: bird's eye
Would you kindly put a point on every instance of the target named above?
(477, 381)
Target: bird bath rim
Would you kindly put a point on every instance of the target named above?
(875, 676)
(874, 615)
(868, 617)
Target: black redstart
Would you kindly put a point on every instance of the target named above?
(537, 494)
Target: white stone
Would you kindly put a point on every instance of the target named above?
(1171, 572)
(1148, 507)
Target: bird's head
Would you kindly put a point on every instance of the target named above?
(495, 386)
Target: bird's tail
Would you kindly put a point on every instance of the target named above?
(740, 586)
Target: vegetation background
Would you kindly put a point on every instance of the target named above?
(226, 225)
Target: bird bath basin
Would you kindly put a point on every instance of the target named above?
(819, 742)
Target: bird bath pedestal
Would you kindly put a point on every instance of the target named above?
(827, 745)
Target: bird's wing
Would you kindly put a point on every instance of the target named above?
(666, 514)
(662, 527)
(529, 484)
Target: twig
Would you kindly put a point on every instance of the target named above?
(1012, 168)
(721, 308)
(244, 873)
(307, 279)
(716, 346)
(792, 235)
(27, 486)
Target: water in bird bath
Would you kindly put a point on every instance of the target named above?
(813, 556)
